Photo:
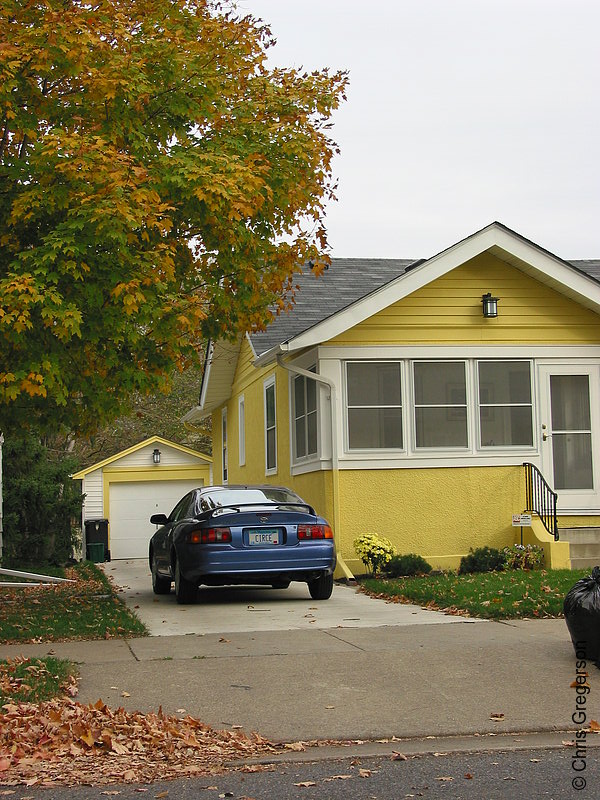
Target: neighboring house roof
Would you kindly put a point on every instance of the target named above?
(152, 440)
(353, 289)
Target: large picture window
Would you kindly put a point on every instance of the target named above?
(305, 416)
(440, 397)
(374, 392)
(505, 405)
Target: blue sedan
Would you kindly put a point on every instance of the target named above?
(223, 535)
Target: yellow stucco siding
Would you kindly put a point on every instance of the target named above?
(448, 310)
(437, 513)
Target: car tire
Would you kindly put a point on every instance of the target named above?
(160, 584)
(185, 591)
(321, 588)
(280, 584)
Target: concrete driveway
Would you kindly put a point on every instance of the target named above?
(242, 608)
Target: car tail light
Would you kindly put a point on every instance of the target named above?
(314, 532)
(209, 536)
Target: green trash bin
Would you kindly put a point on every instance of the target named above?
(95, 552)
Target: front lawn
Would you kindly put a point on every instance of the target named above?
(86, 609)
(511, 594)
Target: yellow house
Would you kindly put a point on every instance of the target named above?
(395, 401)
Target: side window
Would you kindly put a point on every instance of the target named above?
(270, 427)
(183, 509)
(305, 416)
(374, 391)
(440, 394)
(505, 403)
(224, 443)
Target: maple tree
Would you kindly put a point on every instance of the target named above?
(159, 184)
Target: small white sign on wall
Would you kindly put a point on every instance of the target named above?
(521, 520)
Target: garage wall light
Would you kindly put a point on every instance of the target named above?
(156, 456)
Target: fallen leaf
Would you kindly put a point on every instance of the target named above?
(338, 778)
(534, 760)
(305, 783)
(125, 694)
(496, 717)
(399, 757)
(297, 746)
(223, 639)
(594, 726)
(161, 794)
(365, 773)
(329, 707)
(468, 776)
(575, 684)
(445, 778)
(568, 743)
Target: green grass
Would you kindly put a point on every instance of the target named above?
(86, 609)
(512, 594)
(25, 680)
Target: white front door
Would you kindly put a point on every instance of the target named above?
(570, 427)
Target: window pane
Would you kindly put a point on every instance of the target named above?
(572, 455)
(300, 437)
(374, 384)
(270, 403)
(441, 427)
(570, 398)
(311, 422)
(506, 425)
(504, 382)
(299, 395)
(440, 383)
(375, 428)
(271, 450)
(311, 395)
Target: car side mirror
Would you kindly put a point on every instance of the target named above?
(159, 519)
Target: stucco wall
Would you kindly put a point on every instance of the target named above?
(437, 513)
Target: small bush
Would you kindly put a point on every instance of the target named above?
(484, 559)
(409, 564)
(521, 556)
(374, 551)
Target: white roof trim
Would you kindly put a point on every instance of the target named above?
(495, 238)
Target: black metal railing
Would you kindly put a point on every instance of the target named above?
(540, 499)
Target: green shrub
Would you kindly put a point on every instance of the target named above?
(374, 551)
(42, 504)
(521, 556)
(409, 564)
(484, 559)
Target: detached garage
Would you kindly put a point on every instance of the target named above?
(127, 488)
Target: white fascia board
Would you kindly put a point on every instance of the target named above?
(525, 256)
(207, 366)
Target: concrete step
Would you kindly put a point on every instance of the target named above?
(580, 535)
(585, 563)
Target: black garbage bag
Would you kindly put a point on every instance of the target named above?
(582, 615)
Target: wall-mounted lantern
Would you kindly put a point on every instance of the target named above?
(490, 305)
(156, 456)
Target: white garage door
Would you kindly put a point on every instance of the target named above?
(132, 505)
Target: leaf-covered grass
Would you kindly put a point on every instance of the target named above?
(86, 609)
(511, 594)
(33, 680)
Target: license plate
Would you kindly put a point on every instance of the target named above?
(264, 536)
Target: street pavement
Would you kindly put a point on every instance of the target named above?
(350, 668)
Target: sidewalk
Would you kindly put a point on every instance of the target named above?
(345, 683)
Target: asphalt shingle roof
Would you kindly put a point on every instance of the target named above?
(346, 281)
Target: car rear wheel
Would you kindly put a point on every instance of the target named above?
(185, 591)
(160, 584)
(321, 588)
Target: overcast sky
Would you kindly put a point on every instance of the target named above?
(459, 112)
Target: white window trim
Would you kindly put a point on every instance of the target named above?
(310, 458)
(224, 446)
(403, 393)
(268, 383)
(241, 431)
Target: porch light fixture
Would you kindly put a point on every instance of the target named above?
(490, 305)
(156, 456)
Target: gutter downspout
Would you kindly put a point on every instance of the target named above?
(334, 454)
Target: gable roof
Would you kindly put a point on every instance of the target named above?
(578, 280)
(353, 289)
(152, 440)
